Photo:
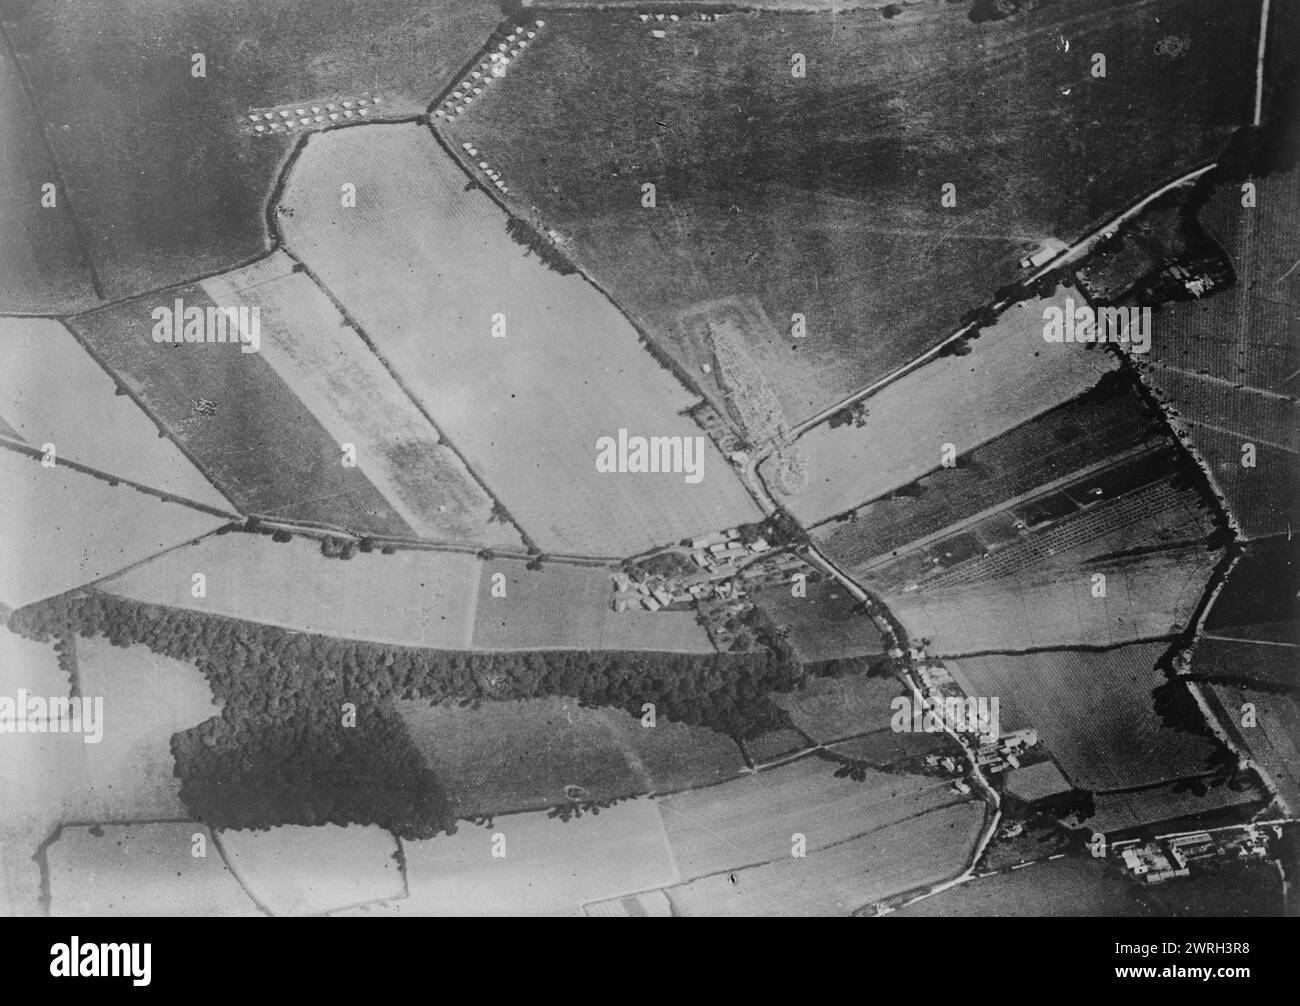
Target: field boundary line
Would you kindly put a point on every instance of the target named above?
(214, 833)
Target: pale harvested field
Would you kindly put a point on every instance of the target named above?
(408, 598)
(1010, 376)
(752, 819)
(147, 698)
(525, 409)
(60, 529)
(1146, 597)
(827, 709)
(909, 854)
(1063, 887)
(294, 870)
(568, 607)
(51, 391)
(1093, 710)
(550, 868)
(340, 380)
(139, 870)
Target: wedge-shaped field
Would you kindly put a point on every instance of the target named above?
(141, 869)
(1010, 376)
(826, 624)
(1092, 709)
(1261, 599)
(525, 409)
(60, 528)
(341, 382)
(549, 867)
(753, 819)
(915, 853)
(1060, 888)
(1115, 812)
(1273, 743)
(506, 757)
(408, 598)
(161, 161)
(51, 391)
(1146, 596)
(42, 259)
(1228, 362)
(230, 411)
(1086, 434)
(564, 607)
(294, 870)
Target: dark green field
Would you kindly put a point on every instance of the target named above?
(821, 195)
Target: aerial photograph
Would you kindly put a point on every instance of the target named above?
(784, 458)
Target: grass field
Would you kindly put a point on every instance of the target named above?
(568, 607)
(1117, 812)
(409, 598)
(821, 195)
(1273, 742)
(42, 260)
(1010, 376)
(1239, 661)
(824, 625)
(343, 385)
(60, 529)
(1063, 887)
(166, 179)
(141, 870)
(1228, 362)
(294, 870)
(1093, 710)
(1146, 596)
(672, 756)
(827, 709)
(525, 409)
(914, 853)
(549, 867)
(254, 438)
(1261, 599)
(752, 820)
(51, 391)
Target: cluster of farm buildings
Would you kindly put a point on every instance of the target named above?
(1172, 856)
(992, 754)
(717, 555)
(494, 65)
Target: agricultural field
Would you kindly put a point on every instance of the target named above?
(1261, 599)
(1123, 811)
(167, 180)
(675, 756)
(409, 598)
(95, 427)
(1094, 711)
(751, 820)
(141, 870)
(60, 528)
(236, 417)
(914, 853)
(569, 608)
(1228, 362)
(1250, 892)
(1272, 743)
(825, 625)
(42, 259)
(1269, 665)
(1010, 376)
(526, 409)
(1147, 596)
(507, 757)
(1063, 887)
(773, 745)
(549, 867)
(832, 708)
(341, 382)
(293, 870)
(1084, 434)
(821, 195)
